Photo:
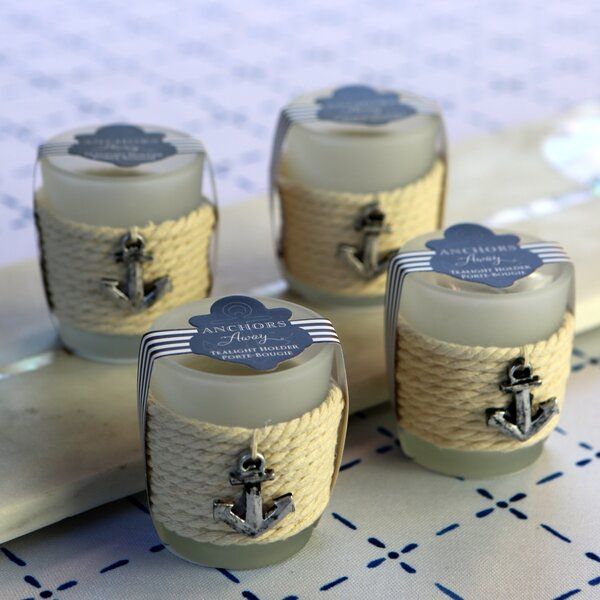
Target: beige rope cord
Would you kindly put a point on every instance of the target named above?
(189, 462)
(443, 389)
(76, 256)
(316, 221)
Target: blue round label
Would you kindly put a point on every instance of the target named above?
(122, 145)
(475, 253)
(363, 105)
(240, 329)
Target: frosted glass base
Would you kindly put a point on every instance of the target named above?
(252, 556)
(467, 464)
(100, 347)
(320, 296)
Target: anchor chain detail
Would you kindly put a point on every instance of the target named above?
(134, 293)
(365, 259)
(246, 514)
(517, 420)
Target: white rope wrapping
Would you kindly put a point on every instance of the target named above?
(76, 257)
(444, 389)
(189, 462)
(316, 221)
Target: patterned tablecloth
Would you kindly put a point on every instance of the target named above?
(392, 530)
(221, 70)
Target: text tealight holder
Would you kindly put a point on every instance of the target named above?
(243, 427)
(124, 233)
(355, 173)
(479, 332)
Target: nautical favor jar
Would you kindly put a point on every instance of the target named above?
(243, 426)
(358, 171)
(479, 330)
(124, 233)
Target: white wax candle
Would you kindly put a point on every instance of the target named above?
(237, 396)
(474, 314)
(360, 158)
(99, 193)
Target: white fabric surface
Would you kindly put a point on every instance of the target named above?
(221, 70)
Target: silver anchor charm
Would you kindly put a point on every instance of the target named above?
(246, 514)
(133, 292)
(365, 260)
(517, 420)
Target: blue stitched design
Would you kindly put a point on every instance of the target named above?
(447, 529)
(555, 533)
(250, 596)
(229, 575)
(395, 443)
(568, 594)
(350, 464)
(115, 565)
(392, 555)
(448, 592)
(13, 557)
(592, 582)
(550, 477)
(586, 461)
(332, 584)
(47, 593)
(344, 521)
(502, 504)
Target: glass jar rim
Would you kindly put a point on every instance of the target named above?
(558, 271)
(405, 126)
(78, 169)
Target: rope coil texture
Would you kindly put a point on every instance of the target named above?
(76, 256)
(316, 221)
(189, 462)
(444, 389)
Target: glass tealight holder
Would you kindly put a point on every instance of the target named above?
(233, 395)
(351, 192)
(471, 314)
(98, 196)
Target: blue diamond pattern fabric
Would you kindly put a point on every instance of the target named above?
(392, 530)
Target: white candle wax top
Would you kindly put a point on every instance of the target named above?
(475, 314)
(235, 395)
(360, 158)
(100, 193)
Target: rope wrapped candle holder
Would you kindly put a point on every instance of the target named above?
(238, 476)
(460, 384)
(479, 333)
(124, 233)
(355, 173)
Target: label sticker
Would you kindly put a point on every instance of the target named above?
(243, 330)
(363, 105)
(475, 253)
(122, 145)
